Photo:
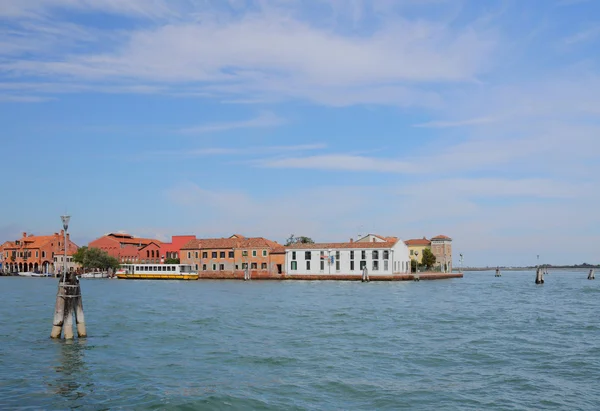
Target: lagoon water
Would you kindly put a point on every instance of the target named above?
(476, 343)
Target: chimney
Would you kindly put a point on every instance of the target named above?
(62, 232)
(351, 240)
(24, 234)
(68, 237)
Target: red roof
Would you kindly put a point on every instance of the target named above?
(229, 243)
(300, 246)
(418, 241)
(441, 237)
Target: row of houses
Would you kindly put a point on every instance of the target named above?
(377, 254)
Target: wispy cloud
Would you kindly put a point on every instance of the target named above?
(237, 151)
(264, 120)
(342, 162)
(582, 36)
(460, 123)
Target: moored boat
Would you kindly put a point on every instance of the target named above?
(102, 274)
(157, 272)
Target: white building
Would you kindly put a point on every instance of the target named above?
(379, 257)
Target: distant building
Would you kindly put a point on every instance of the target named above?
(441, 247)
(235, 253)
(379, 255)
(416, 247)
(35, 253)
(129, 249)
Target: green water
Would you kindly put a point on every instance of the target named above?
(476, 343)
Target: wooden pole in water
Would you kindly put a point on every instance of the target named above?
(59, 312)
(498, 272)
(591, 275)
(539, 276)
(80, 318)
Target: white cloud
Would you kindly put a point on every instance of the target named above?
(346, 162)
(238, 151)
(264, 120)
(460, 123)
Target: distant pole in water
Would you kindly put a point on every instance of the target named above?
(539, 276)
(365, 275)
(498, 272)
(69, 305)
(591, 275)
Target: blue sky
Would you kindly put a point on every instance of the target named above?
(478, 120)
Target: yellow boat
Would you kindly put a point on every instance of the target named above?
(156, 272)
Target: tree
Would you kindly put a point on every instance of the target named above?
(428, 258)
(299, 240)
(413, 266)
(172, 261)
(95, 258)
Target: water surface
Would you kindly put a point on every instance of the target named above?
(474, 343)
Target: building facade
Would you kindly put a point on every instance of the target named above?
(378, 257)
(441, 247)
(235, 253)
(127, 248)
(416, 247)
(33, 253)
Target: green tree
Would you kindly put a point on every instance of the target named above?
(428, 258)
(172, 261)
(299, 240)
(95, 258)
(413, 266)
(79, 256)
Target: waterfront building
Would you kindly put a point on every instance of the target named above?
(33, 253)
(375, 253)
(173, 249)
(416, 247)
(129, 249)
(235, 253)
(441, 247)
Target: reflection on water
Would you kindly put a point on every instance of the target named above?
(72, 378)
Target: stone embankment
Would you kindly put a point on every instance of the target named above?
(262, 275)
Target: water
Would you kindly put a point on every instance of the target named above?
(474, 343)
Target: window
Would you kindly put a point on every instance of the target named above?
(375, 255)
(351, 265)
(293, 255)
(363, 264)
(263, 266)
(253, 253)
(363, 255)
(375, 265)
(214, 254)
(189, 254)
(264, 253)
(222, 254)
(308, 265)
(203, 267)
(395, 266)
(231, 254)
(221, 267)
(37, 254)
(385, 265)
(307, 255)
(43, 254)
(412, 252)
(294, 265)
(214, 267)
(244, 266)
(337, 265)
(204, 254)
(196, 254)
(337, 255)
(196, 267)
(244, 253)
(386, 255)
(253, 266)
(322, 254)
(352, 255)
(322, 265)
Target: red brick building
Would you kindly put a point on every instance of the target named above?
(441, 247)
(228, 256)
(35, 253)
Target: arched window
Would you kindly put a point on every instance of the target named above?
(147, 253)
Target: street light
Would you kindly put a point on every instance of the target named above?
(416, 261)
(65, 220)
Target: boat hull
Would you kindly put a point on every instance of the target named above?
(157, 276)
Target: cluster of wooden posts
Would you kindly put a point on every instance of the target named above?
(69, 307)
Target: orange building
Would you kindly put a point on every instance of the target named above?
(128, 249)
(236, 253)
(36, 253)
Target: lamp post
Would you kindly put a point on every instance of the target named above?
(416, 261)
(538, 260)
(65, 220)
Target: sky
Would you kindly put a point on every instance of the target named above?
(479, 120)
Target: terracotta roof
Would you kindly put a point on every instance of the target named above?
(358, 245)
(229, 243)
(278, 250)
(418, 241)
(441, 237)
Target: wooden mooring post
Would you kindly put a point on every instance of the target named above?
(68, 309)
(539, 276)
(591, 275)
(498, 272)
(69, 303)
